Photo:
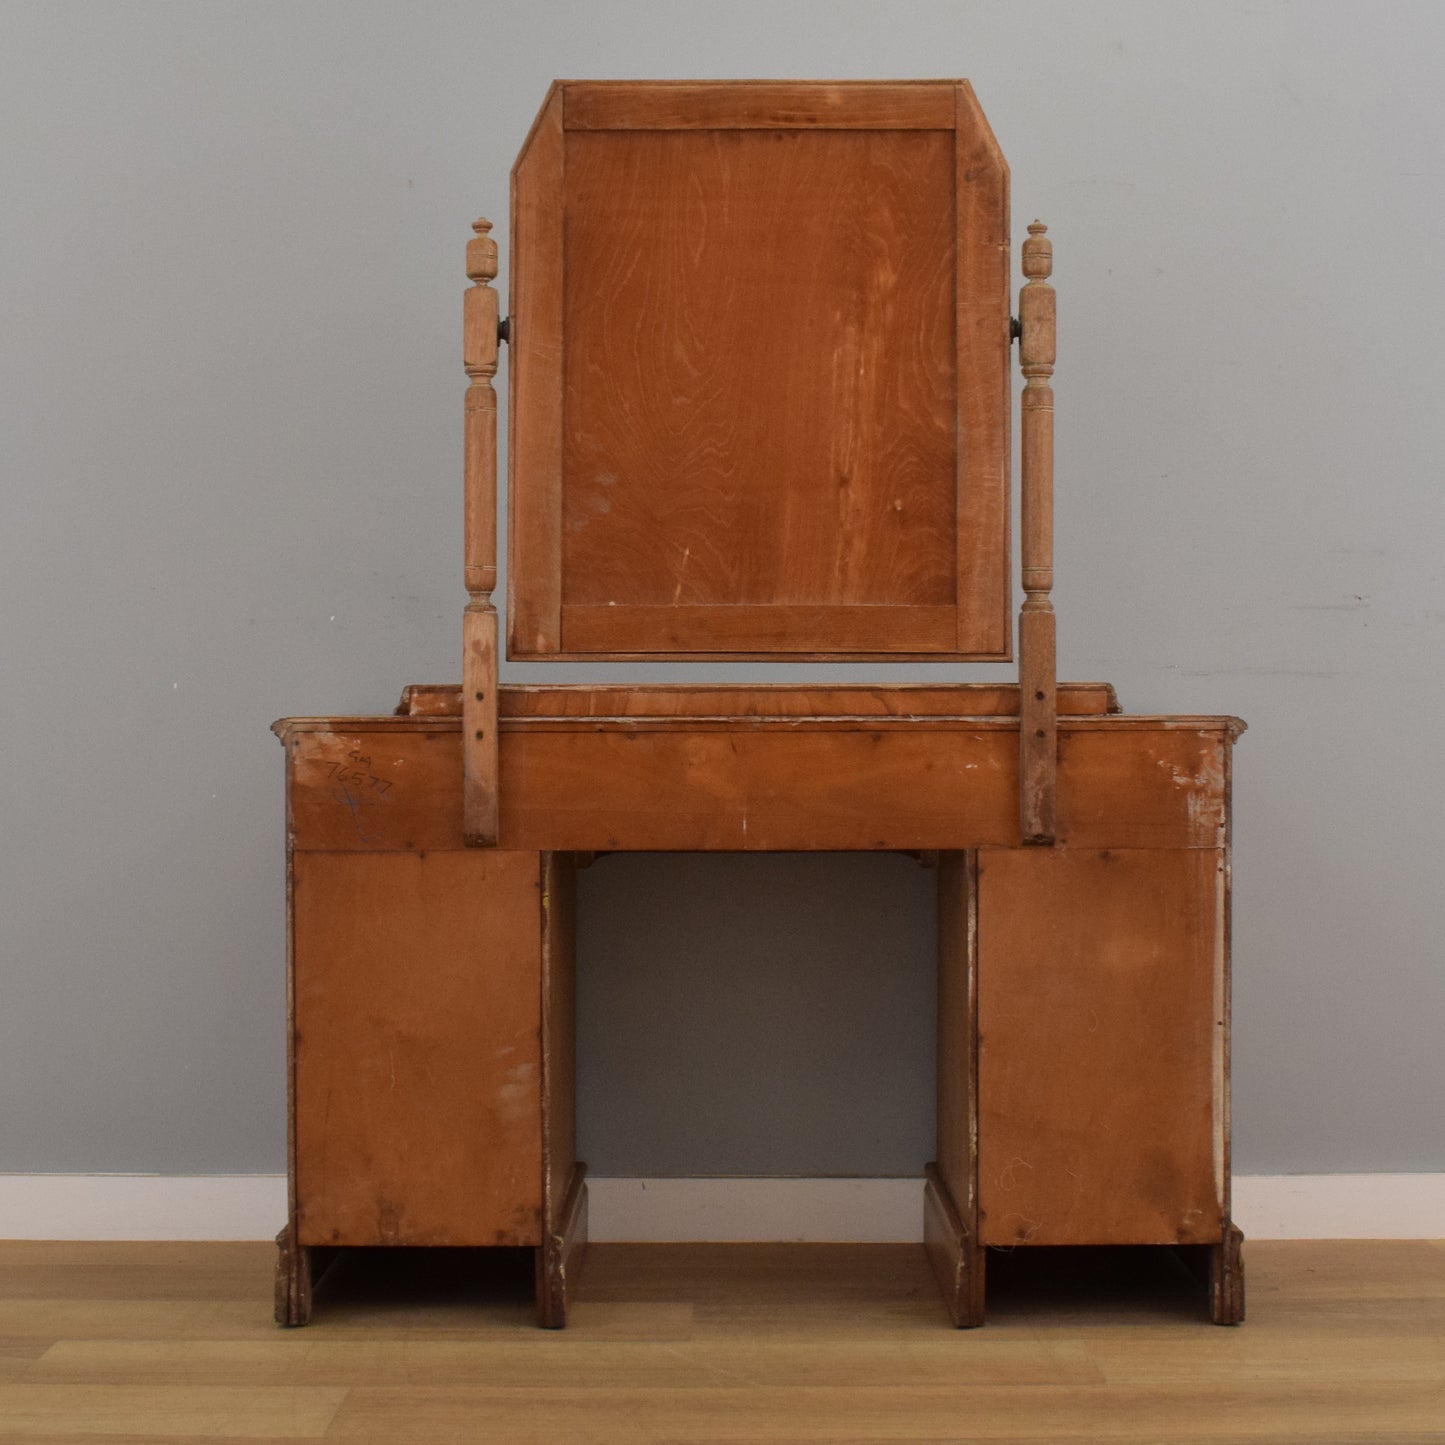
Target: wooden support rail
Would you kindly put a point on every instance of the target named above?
(1038, 704)
(479, 623)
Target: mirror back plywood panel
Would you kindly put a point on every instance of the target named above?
(760, 374)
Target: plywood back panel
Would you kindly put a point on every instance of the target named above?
(417, 987)
(760, 374)
(1101, 1045)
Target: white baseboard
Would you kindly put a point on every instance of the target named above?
(1340, 1206)
(253, 1206)
(885, 1211)
(142, 1206)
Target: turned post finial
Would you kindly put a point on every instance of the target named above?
(481, 253)
(1038, 253)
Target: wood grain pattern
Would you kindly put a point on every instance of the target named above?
(778, 427)
(479, 360)
(534, 370)
(418, 1068)
(292, 1280)
(564, 1247)
(985, 381)
(1219, 1268)
(564, 1195)
(743, 105)
(169, 1342)
(1038, 735)
(480, 801)
(969, 699)
(891, 786)
(1170, 793)
(954, 1253)
(733, 632)
(118, 1411)
(1099, 1042)
(759, 369)
(559, 1029)
(1039, 728)
(479, 623)
(369, 785)
(1224, 1051)
(432, 699)
(589, 784)
(785, 429)
(300, 1268)
(951, 1233)
(1226, 1277)
(957, 1143)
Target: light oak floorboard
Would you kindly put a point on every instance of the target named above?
(159, 1412)
(1345, 1342)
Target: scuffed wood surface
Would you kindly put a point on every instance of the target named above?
(1099, 1040)
(1038, 735)
(786, 319)
(479, 624)
(765, 783)
(732, 631)
(954, 1253)
(418, 1067)
(1039, 730)
(480, 734)
(957, 1115)
(972, 699)
(564, 1248)
(369, 785)
(983, 328)
(561, 1173)
(170, 1342)
(1226, 1278)
(760, 401)
(534, 371)
(735, 105)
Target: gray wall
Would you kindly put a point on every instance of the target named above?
(231, 275)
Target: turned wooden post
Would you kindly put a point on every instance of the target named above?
(479, 623)
(1038, 705)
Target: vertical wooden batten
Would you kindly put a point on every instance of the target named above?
(479, 623)
(950, 1198)
(564, 1192)
(1038, 711)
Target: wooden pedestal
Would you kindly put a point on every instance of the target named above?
(431, 1058)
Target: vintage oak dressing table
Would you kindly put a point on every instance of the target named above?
(760, 344)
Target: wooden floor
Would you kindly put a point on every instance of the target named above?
(165, 1342)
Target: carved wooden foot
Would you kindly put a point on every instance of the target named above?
(299, 1269)
(956, 1257)
(559, 1260)
(1226, 1278)
(293, 1281)
(1220, 1269)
